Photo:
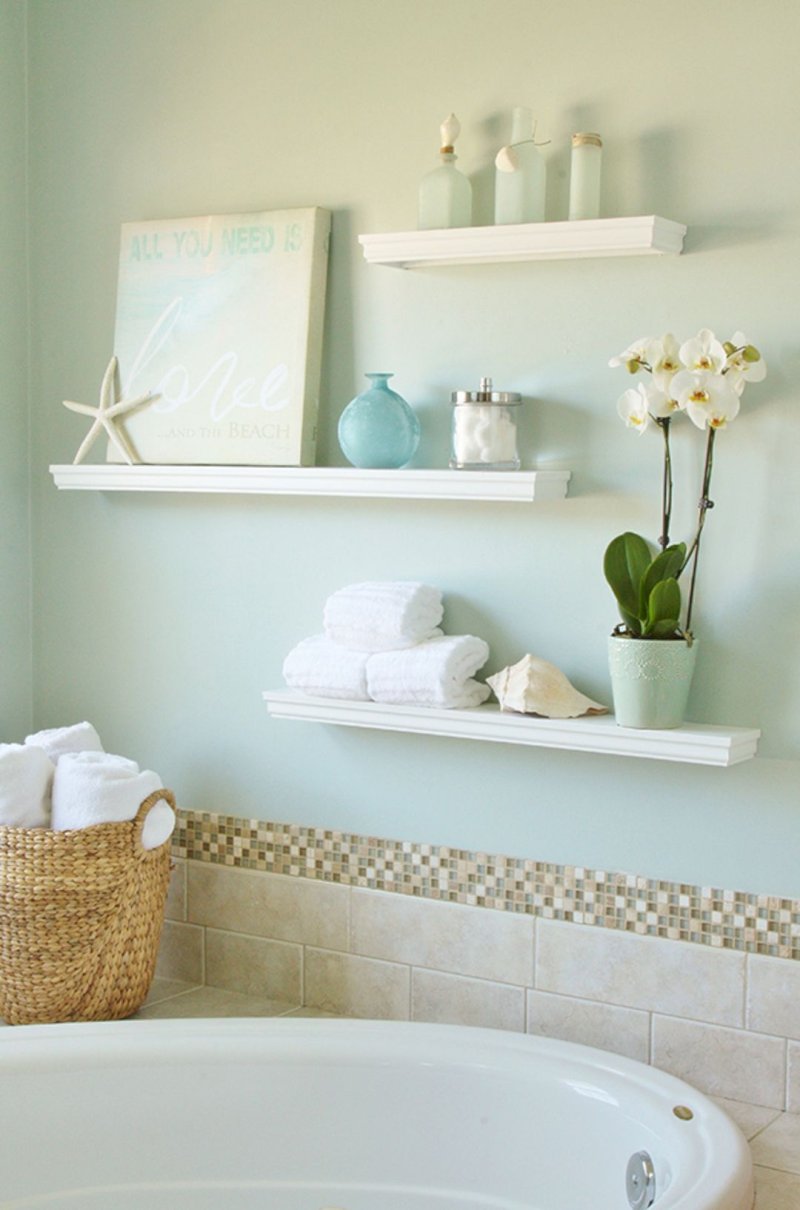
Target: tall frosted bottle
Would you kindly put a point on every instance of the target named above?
(584, 181)
(445, 194)
(519, 179)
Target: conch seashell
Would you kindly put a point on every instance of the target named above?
(534, 686)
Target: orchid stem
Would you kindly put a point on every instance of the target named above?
(666, 486)
(703, 507)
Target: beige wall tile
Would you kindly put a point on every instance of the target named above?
(778, 1146)
(773, 996)
(625, 1031)
(254, 966)
(481, 942)
(268, 905)
(793, 1078)
(456, 1000)
(176, 893)
(310, 1012)
(749, 1118)
(640, 972)
(776, 1190)
(213, 1002)
(165, 989)
(724, 1062)
(180, 953)
(356, 987)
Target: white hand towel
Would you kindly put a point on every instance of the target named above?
(26, 778)
(322, 668)
(97, 787)
(383, 615)
(158, 826)
(81, 737)
(436, 673)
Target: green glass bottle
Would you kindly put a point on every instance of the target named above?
(445, 194)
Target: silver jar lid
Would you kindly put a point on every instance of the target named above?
(485, 394)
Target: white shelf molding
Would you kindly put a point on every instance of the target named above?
(642, 235)
(317, 481)
(692, 744)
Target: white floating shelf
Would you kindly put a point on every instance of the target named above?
(693, 743)
(643, 235)
(317, 481)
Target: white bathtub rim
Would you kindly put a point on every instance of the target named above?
(286, 1039)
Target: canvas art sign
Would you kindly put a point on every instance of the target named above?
(221, 319)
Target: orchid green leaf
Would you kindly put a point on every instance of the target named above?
(627, 559)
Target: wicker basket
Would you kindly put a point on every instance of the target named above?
(80, 920)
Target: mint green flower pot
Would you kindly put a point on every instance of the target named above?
(650, 681)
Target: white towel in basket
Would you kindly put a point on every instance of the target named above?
(80, 737)
(26, 775)
(436, 673)
(98, 787)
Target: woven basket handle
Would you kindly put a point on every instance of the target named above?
(141, 816)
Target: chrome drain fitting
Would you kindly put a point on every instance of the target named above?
(640, 1181)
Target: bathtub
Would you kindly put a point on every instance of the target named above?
(298, 1114)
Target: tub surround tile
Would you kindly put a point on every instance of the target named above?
(446, 937)
(625, 1031)
(793, 1078)
(778, 1145)
(773, 996)
(308, 1011)
(751, 1119)
(175, 908)
(728, 1063)
(776, 1190)
(350, 986)
(254, 966)
(598, 953)
(181, 952)
(164, 989)
(456, 1000)
(214, 1002)
(279, 907)
(726, 919)
(619, 968)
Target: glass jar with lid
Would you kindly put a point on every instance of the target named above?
(485, 429)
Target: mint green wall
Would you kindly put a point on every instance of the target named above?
(15, 631)
(162, 618)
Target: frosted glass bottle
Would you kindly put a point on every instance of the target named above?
(445, 194)
(519, 179)
(584, 177)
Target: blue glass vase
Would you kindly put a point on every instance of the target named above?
(378, 428)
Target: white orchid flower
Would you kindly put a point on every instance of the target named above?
(743, 365)
(666, 362)
(638, 356)
(708, 398)
(633, 407)
(704, 352)
(663, 404)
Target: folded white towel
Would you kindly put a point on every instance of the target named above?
(321, 667)
(435, 673)
(26, 777)
(81, 737)
(383, 615)
(97, 787)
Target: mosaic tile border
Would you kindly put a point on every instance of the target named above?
(737, 920)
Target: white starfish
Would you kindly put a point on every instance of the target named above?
(105, 414)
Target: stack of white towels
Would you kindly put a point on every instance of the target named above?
(382, 642)
(64, 779)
